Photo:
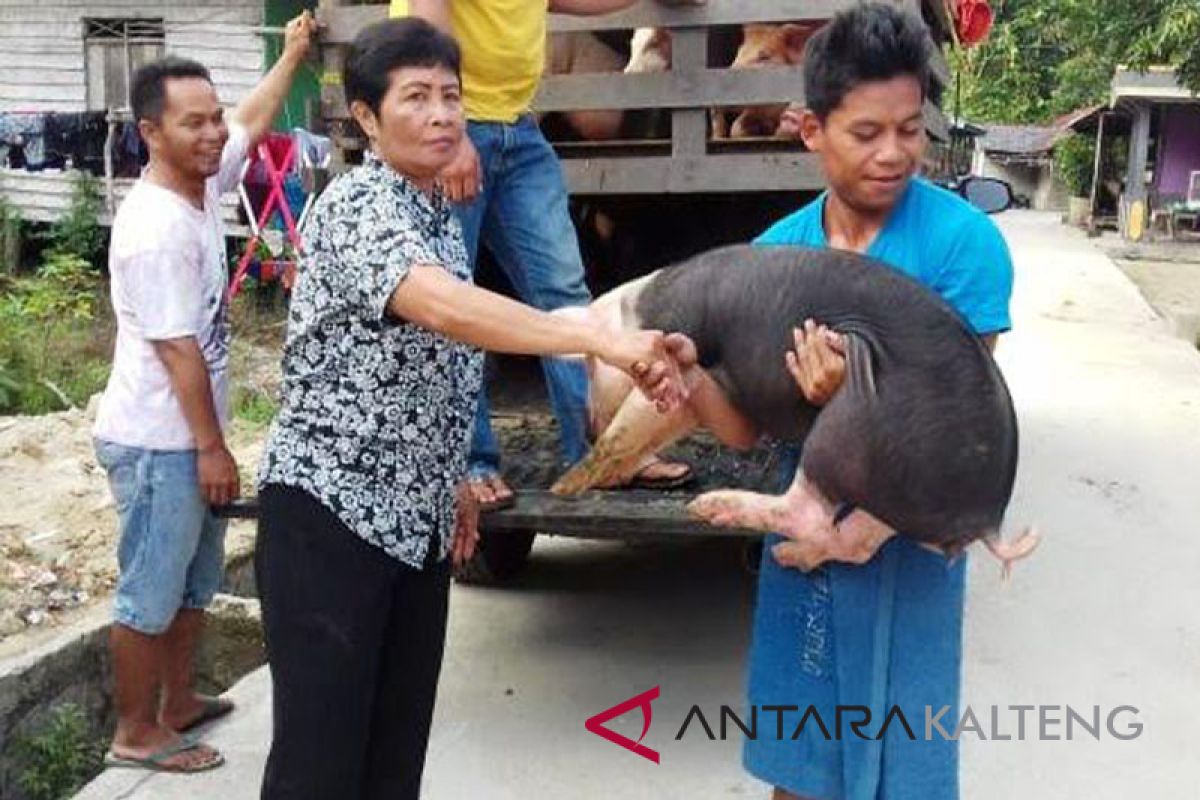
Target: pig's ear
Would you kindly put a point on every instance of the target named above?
(794, 37)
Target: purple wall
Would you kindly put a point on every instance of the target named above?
(1179, 147)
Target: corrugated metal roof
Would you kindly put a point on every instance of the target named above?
(1023, 139)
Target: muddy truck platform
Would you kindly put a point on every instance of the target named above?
(529, 443)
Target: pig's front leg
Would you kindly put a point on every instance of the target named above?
(802, 509)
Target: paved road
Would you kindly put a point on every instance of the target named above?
(1105, 614)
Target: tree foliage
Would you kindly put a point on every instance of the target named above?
(1045, 58)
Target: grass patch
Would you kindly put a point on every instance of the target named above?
(57, 760)
(57, 331)
(55, 337)
(254, 407)
(258, 317)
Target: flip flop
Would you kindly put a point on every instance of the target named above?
(156, 761)
(639, 481)
(493, 505)
(212, 708)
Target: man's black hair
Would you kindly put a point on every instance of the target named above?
(390, 45)
(870, 42)
(148, 94)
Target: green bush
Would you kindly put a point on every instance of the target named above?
(77, 232)
(53, 343)
(58, 760)
(1075, 159)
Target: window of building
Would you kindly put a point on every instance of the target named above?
(114, 49)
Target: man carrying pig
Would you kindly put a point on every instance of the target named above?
(889, 632)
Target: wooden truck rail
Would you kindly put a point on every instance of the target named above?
(694, 162)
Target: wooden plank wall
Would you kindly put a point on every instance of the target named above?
(688, 90)
(44, 196)
(42, 66)
(42, 55)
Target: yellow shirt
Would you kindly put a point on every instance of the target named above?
(503, 49)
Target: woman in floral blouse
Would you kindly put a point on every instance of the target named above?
(361, 486)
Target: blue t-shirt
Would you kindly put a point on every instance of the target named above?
(936, 237)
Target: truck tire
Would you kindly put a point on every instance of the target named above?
(498, 558)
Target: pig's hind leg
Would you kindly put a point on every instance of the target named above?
(854, 540)
(637, 430)
(804, 516)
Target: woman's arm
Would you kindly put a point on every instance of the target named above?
(432, 298)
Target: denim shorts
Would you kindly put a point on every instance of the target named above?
(171, 553)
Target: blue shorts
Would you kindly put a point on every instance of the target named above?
(171, 553)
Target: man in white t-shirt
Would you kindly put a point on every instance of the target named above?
(159, 428)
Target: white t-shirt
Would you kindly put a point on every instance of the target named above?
(169, 277)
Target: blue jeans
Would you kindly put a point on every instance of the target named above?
(523, 218)
(171, 551)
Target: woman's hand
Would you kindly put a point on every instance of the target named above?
(643, 355)
(818, 362)
(466, 526)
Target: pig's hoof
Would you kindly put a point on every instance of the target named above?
(576, 481)
(797, 556)
(715, 508)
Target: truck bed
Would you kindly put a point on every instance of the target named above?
(529, 445)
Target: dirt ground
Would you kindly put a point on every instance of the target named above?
(1172, 288)
(57, 522)
(1168, 275)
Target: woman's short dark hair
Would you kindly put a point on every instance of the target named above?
(870, 42)
(390, 45)
(148, 92)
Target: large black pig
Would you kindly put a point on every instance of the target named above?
(921, 438)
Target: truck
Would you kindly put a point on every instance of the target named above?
(662, 198)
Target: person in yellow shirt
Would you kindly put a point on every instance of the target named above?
(509, 195)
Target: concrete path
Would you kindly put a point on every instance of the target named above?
(1105, 614)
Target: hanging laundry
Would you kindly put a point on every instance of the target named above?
(23, 137)
(311, 149)
(77, 140)
(129, 152)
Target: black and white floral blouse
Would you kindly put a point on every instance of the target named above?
(376, 413)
